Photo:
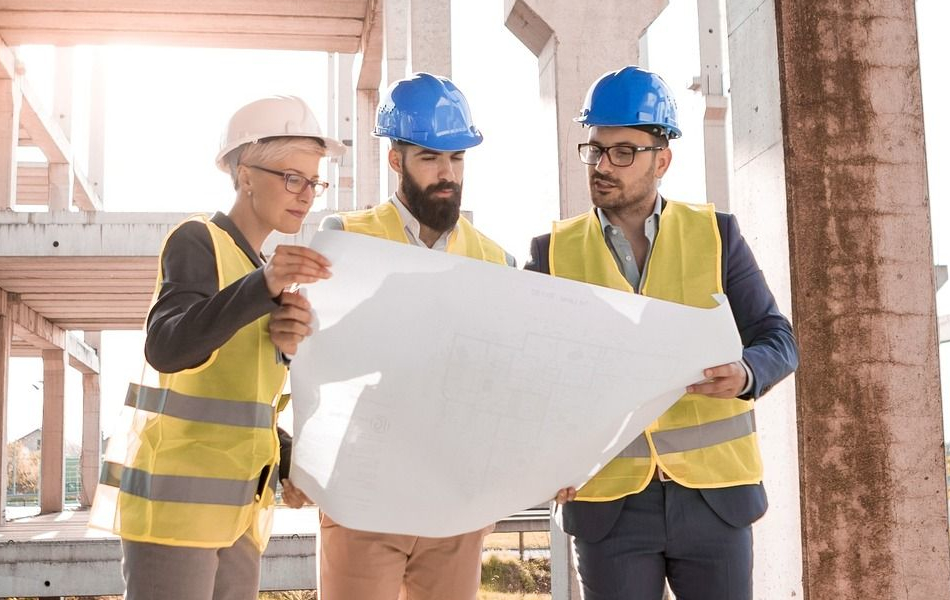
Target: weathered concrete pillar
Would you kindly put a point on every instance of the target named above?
(430, 37)
(758, 199)
(874, 494)
(51, 459)
(6, 340)
(10, 101)
(591, 42)
(91, 428)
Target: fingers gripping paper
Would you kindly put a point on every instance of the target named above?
(439, 394)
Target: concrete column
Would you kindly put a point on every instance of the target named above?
(874, 494)
(430, 37)
(10, 101)
(574, 47)
(716, 127)
(395, 65)
(97, 124)
(91, 428)
(343, 118)
(366, 149)
(6, 339)
(60, 186)
(51, 459)
(758, 199)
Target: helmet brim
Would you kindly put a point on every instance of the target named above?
(674, 132)
(334, 148)
(445, 143)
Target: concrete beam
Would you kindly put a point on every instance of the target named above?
(92, 567)
(430, 37)
(85, 194)
(574, 47)
(368, 62)
(35, 329)
(82, 357)
(940, 274)
(44, 132)
(52, 445)
(943, 329)
(873, 470)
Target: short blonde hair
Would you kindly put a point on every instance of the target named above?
(269, 150)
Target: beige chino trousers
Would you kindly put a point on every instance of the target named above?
(377, 566)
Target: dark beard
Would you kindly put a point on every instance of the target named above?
(440, 214)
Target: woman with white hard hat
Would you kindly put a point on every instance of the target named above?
(191, 487)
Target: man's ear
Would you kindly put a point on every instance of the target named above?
(395, 160)
(663, 159)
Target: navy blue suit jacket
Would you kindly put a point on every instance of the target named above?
(768, 348)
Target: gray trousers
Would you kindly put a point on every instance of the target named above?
(159, 572)
(667, 532)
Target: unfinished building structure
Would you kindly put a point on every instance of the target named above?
(823, 109)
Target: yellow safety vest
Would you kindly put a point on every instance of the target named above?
(200, 441)
(383, 221)
(700, 442)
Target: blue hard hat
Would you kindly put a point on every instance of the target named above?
(429, 111)
(630, 97)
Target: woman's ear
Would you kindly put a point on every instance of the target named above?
(244, 178)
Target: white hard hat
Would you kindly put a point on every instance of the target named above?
(274, 116)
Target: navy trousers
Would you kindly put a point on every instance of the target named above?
(667, 532)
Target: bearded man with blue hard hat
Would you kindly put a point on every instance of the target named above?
(677, 504)
(430, 126)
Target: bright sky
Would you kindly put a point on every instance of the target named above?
(164, 121)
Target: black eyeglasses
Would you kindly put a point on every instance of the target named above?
(295, 183)
(619, 156)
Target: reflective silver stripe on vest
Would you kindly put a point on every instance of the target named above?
(638, 448)
(195, 408)
(179, 488)
(705, 435)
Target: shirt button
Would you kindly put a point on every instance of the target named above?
(628, 258)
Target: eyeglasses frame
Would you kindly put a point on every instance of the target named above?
(606, 150)
(313, 183)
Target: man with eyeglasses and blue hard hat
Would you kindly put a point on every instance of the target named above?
(678, 503)
(430, 126)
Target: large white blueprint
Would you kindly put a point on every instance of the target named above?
(439, 394)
